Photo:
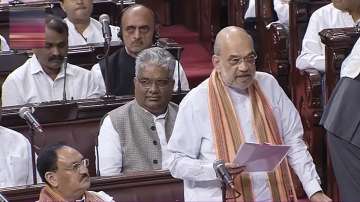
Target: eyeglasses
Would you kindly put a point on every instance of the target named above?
(250, 59)
(76, 166)
(147, 83)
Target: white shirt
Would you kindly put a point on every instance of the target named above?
(193, 152)
(351, 65)
(92, 34)
(313, 51)
(30, 84)
(4, 45)
(97, 75)
(281, 8)
(110, 151)
(15, 159)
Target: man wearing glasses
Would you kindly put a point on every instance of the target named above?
(237, 105)
(134, 137)
(64, 170)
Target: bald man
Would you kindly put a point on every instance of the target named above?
(233, 106)
(138, 28)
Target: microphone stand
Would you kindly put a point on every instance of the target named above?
(64, 89)
(31, 132)
(107, 71)
(178, 71)
(223, 191)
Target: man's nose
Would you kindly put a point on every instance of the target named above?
(79, 1)
(243, 67)
(83, 169)
(137, 34)
(55, 51)
(154, 87)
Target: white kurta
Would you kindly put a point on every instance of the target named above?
(30, 84)
(4, 45)
(351, 65)
(97, 75)
(92, 34)
(313, 51)
(192, 146)
(110, 150)
(15, 159)
(281, 8)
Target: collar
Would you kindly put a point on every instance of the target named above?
(127, 52)
(72, 25)
(35, 68)
(161, 116)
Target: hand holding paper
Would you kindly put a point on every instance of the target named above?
(260, 157)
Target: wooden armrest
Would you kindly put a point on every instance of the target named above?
(313, 89)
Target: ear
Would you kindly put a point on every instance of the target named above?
(172, 83)
(51, 178)
(216, 62)
(135, 81)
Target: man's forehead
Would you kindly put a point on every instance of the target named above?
(137, 15)
(68, 155)
(153, 70)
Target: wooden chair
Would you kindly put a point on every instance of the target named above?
(338, 44)
(273, 44)
(236, 12)
(306, 85)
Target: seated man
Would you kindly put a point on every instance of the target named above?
(15, 157)
(46, 75)
(64, 170)
(138, 30)
(237, 105)
(4, 46)
(82, 28)
(134, 137)
(281, 8)
(338, 14)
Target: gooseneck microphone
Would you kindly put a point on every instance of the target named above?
(223, 173)
(105, 22)
(26, 113)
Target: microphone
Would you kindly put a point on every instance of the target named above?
(105, 22)
(223, 173)
(26, 113)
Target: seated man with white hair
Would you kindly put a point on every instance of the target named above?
(134, 137)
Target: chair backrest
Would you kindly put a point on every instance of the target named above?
(236, 12)
(76, 127)
(338, 45)
(300, 12)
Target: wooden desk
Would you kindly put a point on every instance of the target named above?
(137, 187)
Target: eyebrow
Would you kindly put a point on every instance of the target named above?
(250, 53)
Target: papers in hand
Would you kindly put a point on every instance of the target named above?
(260, 157)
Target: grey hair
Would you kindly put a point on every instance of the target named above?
(156, 56)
